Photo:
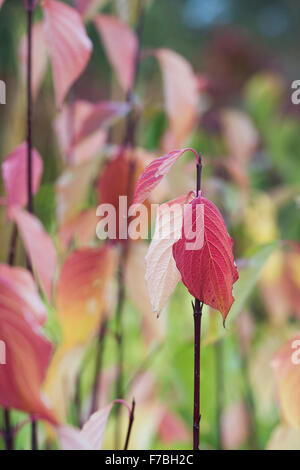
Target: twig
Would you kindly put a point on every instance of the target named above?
(30, 9)
(131, 419)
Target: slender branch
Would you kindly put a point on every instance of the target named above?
(197, 306)
(131, 419)
(8, 432)
(30, 9)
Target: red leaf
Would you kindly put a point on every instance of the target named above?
(81, 292)
(21, 283)
(39, 248)
(208, 272)
(14, 171)
(69, 46)
(154, 173)
(181, 94)
(101, 114)
(27, 350)
(121, 47)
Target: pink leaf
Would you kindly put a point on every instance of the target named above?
(207, 269)
(180, 91)
(39, 248)
(69, 46)
(14, 171)
(39, 56)
(154, 173)
(121, 47)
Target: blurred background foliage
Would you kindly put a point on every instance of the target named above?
(246, 55)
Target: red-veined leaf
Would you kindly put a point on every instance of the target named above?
(286, 365)
(121, 47)
(181, 94)
(39, 56)
(207, 269)
(25, 291)
(14, 171)
(154, 173)
(27, 351)
(39, 247)
(68, 44)
(81, 292)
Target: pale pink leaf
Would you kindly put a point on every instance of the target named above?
(154, 173)
(39, 248)
(162, 275)
(180, 92)
(68, 44)
(121, 46)
(39, 56)
(14, 172)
